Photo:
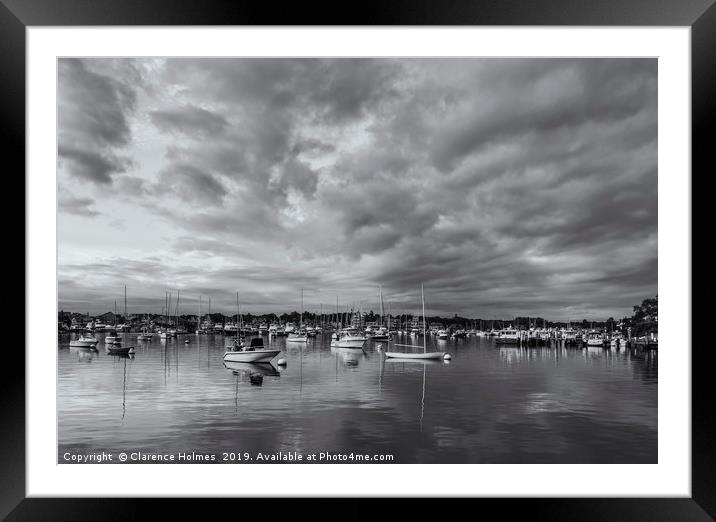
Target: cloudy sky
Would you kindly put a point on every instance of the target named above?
(507, 186)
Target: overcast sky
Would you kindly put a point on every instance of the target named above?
(507, 186)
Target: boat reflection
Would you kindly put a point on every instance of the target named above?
(414, 363)
(349, 356)
(85, 354)
(248, 369)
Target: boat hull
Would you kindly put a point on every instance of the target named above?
(251, 356)
(348, 343)
(120, 350)
(427, 355)
(298, 339)
(83, 344)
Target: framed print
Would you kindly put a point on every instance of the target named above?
(413, 254)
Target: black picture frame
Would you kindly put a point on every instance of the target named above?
(700, 15)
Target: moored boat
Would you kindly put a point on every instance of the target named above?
(301, 336)
(118, 349)
(255, 352)
(348, 338)
(84, 341)
(508, 336)
(417, 355)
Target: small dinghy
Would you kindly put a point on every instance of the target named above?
(118, 349)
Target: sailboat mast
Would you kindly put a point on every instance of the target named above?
(238, 317)
(380, 294)
(425, 337)
(125, 303)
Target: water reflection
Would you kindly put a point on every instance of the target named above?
(84, 354)
(349, 356)
(246, 369)
(491, 404)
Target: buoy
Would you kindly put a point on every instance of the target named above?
(282, 362)
(447, 357)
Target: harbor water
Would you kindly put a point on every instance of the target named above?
(488, 404)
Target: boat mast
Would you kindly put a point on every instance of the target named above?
(300, 321)
(125, 303)
(380, 294)
(238, 317)
(422, 294)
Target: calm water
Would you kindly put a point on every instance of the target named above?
(489, 404)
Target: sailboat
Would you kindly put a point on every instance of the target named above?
(381, 333)
(198, 319)
(426, 354)
(145, 335)
(112, 337)
(113, 344)
(301, 336)
(172, 332)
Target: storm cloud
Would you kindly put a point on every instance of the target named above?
(507, 186)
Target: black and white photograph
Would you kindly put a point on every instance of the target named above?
(378, 260)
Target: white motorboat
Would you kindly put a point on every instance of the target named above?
(254, 353)
(348, 338)
(111, 339)
(617, 341)
(84, 341)
(300, 337)
(569, 336)
(144, 336)
(508, 336)
(443, 334)
(595, 339)
(417, 355)
(380, 334)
